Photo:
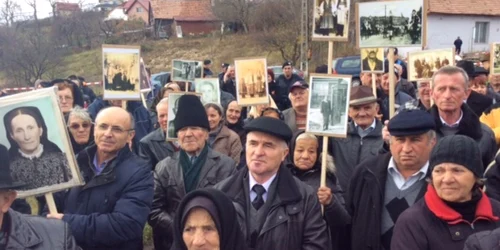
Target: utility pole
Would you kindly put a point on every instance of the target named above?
(304, 38)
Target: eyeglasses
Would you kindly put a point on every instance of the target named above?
(114, 129)
(76, 126)
(65, 98)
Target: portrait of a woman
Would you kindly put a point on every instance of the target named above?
(35, 160)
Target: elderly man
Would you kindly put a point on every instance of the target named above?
(389, 183)
(111, 209)
(283, 83)
(18, 231)
(450, 89)
(195, 166)
(229, 81)
(400, 96)
(296, 116)
(154, 147)
(275, 210)
(364, 134)
(424, 98)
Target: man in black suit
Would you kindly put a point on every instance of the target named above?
(371, 62)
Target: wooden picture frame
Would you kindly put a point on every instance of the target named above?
(183, 70)
(251, 81)
(121, 69)
(209, 89)
(332, 26)
(379, 60)
(495, 59)
(423, 64)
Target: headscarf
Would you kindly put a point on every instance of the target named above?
(222, 212)
(290, 162)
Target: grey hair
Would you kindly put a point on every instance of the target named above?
(162, 101)
(306, 136)
(80, 113)
(419, 84)
(451, 70)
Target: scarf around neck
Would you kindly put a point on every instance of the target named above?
(191, 171)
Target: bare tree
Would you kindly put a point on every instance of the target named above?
(235, 11)
(9, 10)
(32, 4)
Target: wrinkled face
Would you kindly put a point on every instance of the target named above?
(79, 129)
(26, 133)
(231, 71)
(424, 89)
(305, 153)
(453, 182)
(65, 100)
(363, 115)
(299, 97)
(449, 92)
(385, 82)
(411, 152)
(233, 113)
(207, 93)
(162, 110)
(200, 231)
(264, 153)
(366, 79)
(192, 139)
(112, 132)
(214, 118)
(287, 71)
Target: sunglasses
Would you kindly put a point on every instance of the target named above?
(76, 126)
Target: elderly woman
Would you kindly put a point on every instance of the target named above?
(80, 129)
(34, 158)
(454, 207)
(206, 220)
(305, 163)
(69, 95)
(221, 138)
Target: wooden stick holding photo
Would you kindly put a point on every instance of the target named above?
(374, 84)
(124, 104)
(325, 138)
(144, 93)
(51, 204)
(392, 83)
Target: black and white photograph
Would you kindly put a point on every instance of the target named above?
(183, 70)
(173, 107)
(36, 139)
(198, 71)
(331, 20)
(372, 60)
(328, 105)
(390, 23)
(495, 59)
(209, 89)
(121, 72)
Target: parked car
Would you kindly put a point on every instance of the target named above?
(278, 70)
(160, 79)
(349, 65)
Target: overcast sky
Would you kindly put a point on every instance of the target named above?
(43, 6)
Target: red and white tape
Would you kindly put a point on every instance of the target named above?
(31, 88)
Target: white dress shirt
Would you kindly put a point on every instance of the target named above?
(398, 178)
(266, 186)
(454, 125)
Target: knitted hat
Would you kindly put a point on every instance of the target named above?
(458, 149)
(191, 113)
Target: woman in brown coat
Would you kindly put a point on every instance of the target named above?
(221, 138)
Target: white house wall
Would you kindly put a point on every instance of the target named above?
(442, 30)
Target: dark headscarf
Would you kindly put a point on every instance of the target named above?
(238, 126)
(34, 112)
(77, 93)
(222, 212)
(77, 148)
(291, 164)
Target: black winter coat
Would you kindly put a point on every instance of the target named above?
(169, 191)
(430, 224)
(283, 89)
(36, 233)
(294, 221)
(486, 240)
(154, 148)
(365, 201)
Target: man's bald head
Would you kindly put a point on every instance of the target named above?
(117, 113)
(114, 128)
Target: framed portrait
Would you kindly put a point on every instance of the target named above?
(35, 135)
(331, 20)
(121, 72)
(173, 107)
(251, 81)
(372, 60)
(198, 72)
(495, 59)
(423, 64)
(328, 105)
(390, 24)
(209, 89)
(183, 70)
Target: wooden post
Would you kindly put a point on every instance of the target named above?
(50, 203)
(124, 105)
(392, 83)
(187, 86)
(374, 84)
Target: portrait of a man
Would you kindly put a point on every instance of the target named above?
(171, 116)
(209, 90)
(35, 159)
(373, 60)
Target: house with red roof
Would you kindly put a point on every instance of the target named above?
(138, 9)
(66, 9)
(177, 17)
(476, 22)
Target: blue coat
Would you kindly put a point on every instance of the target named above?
(111, 209)
(142, 118)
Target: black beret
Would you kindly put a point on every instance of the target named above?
(411, 122)
(271, 126)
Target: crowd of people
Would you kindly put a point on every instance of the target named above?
(250, 177)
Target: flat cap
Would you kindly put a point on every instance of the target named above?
(411, 122)
(271, 126)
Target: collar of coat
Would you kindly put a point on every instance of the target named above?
(286, 190)
(468, 126)
(377, 132)
(85, 161)
(21, 234)
(437, 206)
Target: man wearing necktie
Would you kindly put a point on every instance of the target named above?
(275, 210)
(195, 166)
